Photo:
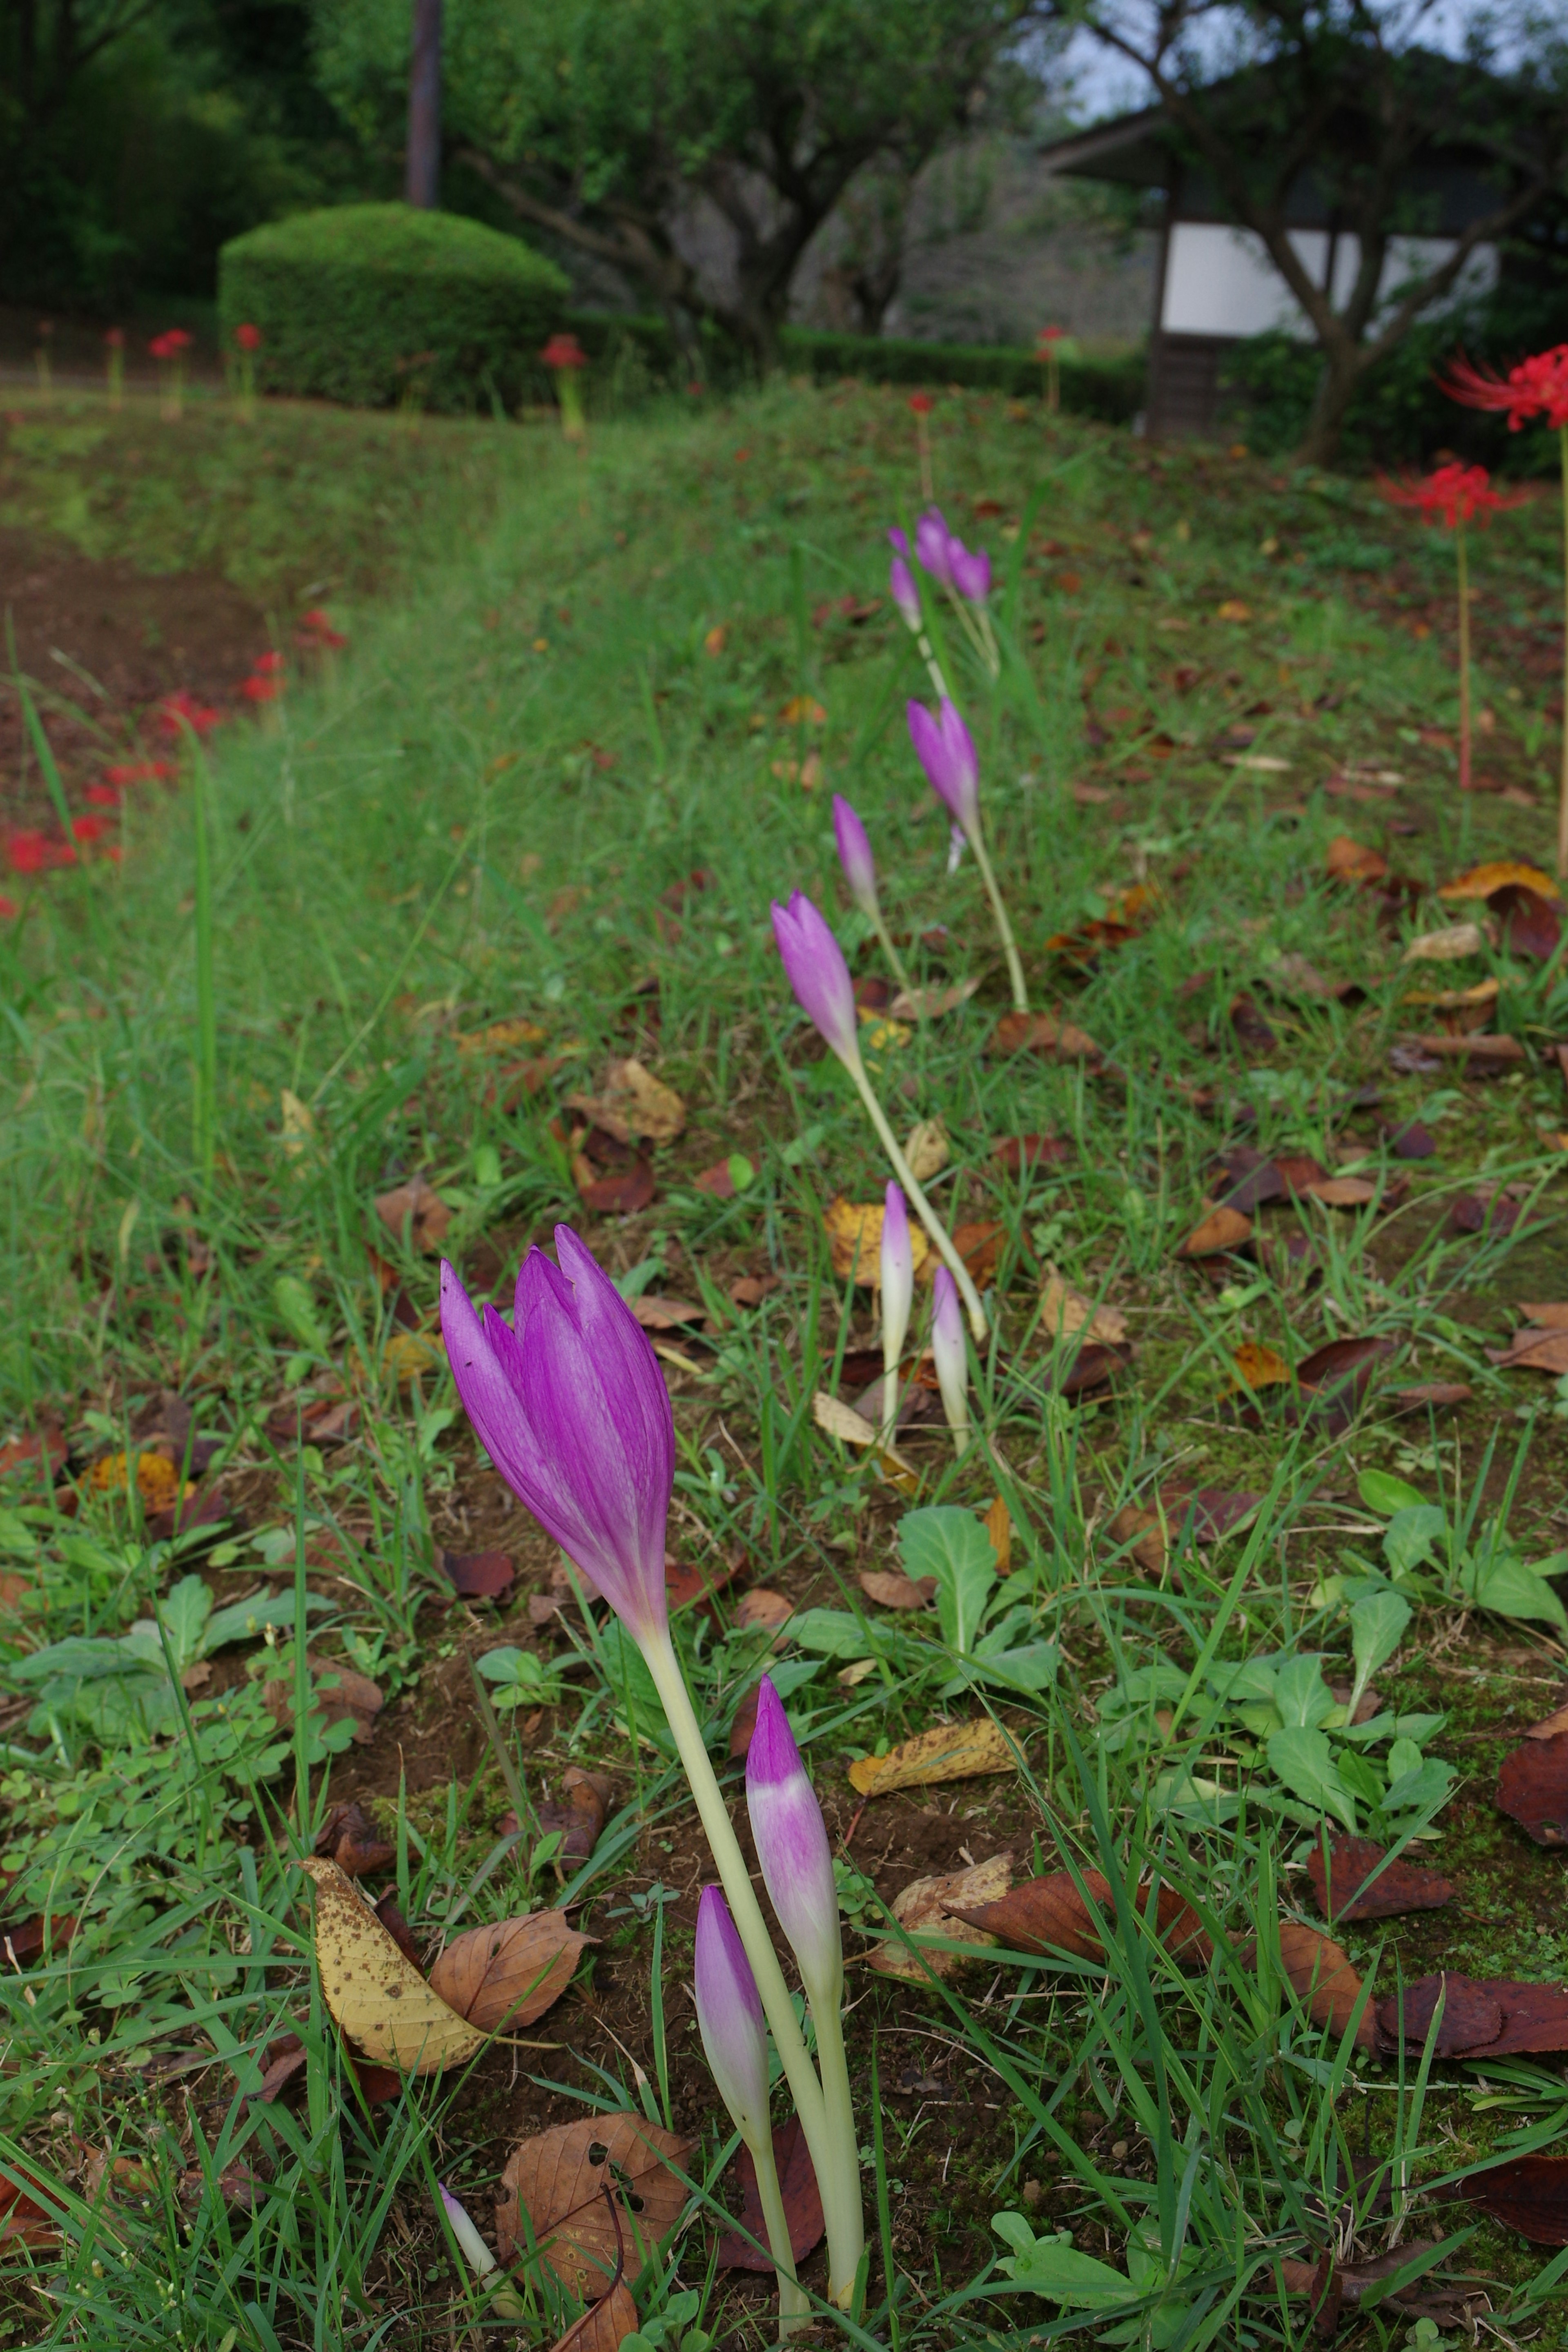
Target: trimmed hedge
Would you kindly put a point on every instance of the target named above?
(369, 304)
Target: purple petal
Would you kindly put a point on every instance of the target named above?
(815, 967)
(792, 1842)
(730, 2016)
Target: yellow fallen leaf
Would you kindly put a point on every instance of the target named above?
(839, 1420)
(1457, 999)
(157, 1479)
(1480, 881)
(1450, 945)
(410, 1356)
(1257, 1366)
(800, 709)
(633, 1104)
(1232, 609)
(299, 1126)
(999, 1527)
(1066, 1312)
(953, 1751)
(502, 1037)
(924, 1904)
(376, 1996)
(855, 1230)
(927, 1148)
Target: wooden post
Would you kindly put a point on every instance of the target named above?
(422, 168)
(1153, 405)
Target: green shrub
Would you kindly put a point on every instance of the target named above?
(369, 304)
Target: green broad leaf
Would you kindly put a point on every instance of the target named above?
(296, 1308)
(1377, 1628)
(82, 1658)
(1147, 1685)
(1249, 1683)
(1053, 2267)
(1300, 1693)
(1423, 1791)
(1180, 1791)
(953, 1545)
(244, 1620)
(831, 1632)
(1403, 1757)
(183, 1615)
(1303, 1759)
(18, 1540)
(1360, 1776)
(1378, 1727)
(1385, 1496)
(1261, 1719)
(1031, 1667)
(1509, 1588)
(1408, 1538)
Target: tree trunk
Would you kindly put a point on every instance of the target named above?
(422, 166)
(1342, 373)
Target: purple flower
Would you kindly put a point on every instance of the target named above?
(814, 966)
(901, 588)
(730, 2018)
(571, 1407)
(792, 1846)
(898, 1274)
(855, 856)
(946, 753)
(934, 544)
(951, 1360)
(899, 543)
(971, 573)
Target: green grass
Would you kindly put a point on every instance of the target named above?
(485, 812)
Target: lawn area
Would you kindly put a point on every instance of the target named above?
(1241, 1555)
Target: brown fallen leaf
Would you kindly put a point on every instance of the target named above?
(1039, 1033)
(854, 1230)
(479, 1575)
(1321, 1976)
(633, 1105)
(419, 1207)
(762, 1606)
(930, 1004)
(661, 1314)
(1344, 1368)
(998, 1524)
(687, 1586)
(1146, 1534)
(337, 1692)
(1343, 1191)
(952, 1751)
(1534, 1349)
(1016, 1152)
(1294, 975)
(374, 1994)
(604, 2327)
(1471, 2019)
(923, 1907)
(24, 2220)
(1548, 1725)
(1092, 1365)
(1049, 1916)
(622, 1194)
(1067, 1312)
(1222, 1229)
(585, 1801)
(23, 1941)
(893, 1590)
(1339, 1881)
(1426, 1396)
(1484, 1054)
(1257, 1366)
(1352, 861)
(558, 2179)
(1452, 944)
(502, 1037)
(350, 1839)
(1528, 2193)
(1500, 873)
(1430, 2295)
(1532, 1788)
(802, 2204)
(980, 1245)
(502, 1976)
(1553, 1316)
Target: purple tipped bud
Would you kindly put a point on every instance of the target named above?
(952, 1357)
(474, 2247)
(933, 546)
(899, 543)
(815, 967)
(905, 594)
(730, 2018)
(855, 856)
(792, 1846)
(571, 1406)
(945, 751)
(898, 1275)
(971, 573)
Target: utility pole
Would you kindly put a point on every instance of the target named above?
(422, 169)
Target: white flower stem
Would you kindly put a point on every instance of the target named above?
(794, 2304)
(888, 949)
(840, 2185)
(923, 1209)
(1004, 928)
(846, 2227)
(889, 1397)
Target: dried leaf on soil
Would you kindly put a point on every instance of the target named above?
(686, 1585)
(1067, 1312)
(893, 1590)
(421, 1207)
(1532, 1788)
(1528, 2193)
(622, 1194)
(1319, 1974)
(1016, 1152)
(633, 1105)
(1449, 945)
(376, 1996)
(605, 2327)
(1501, 874)
(1534, 1347)
(1092, 1366)
(1428, 1396)
(1352, 861)
(558, 2179)
(660, 1314)
(337, 1692)
(479, 1575)
(930, 1004)
(1222, 1229)
(925, 1905)
(802, 2204)
(1049, 1916)
(1038, 1033)
(1257, 1366)
(762, 1606)
(1339, 1881)
(350, 1838)
(952, 1751)
(1344, 1191)
(854, 1230)
(1146, 1534)
(504, 1975)
(927, 1148)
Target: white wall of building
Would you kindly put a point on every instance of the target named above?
(1220, 280)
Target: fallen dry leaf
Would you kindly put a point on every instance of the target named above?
(1040, 1032)
(558, 2179)
(1016, 1152)
(337, 1692)
(587, 1798)
(930, 1004)
(656, 1313)
(1257, 1366)
(1339, 1881)
(1550, 1724)
(633, 1105)
(622, 1194)
(1534, 1347)
(998, 1524)
(923, 1908)
(685, 1585)
(952, 1751)
(1428, 1395)
(350, 1838)
(504, 1975)
(1222, 1229)
(1471, 2019)
(1352, 861)
(1049, 1916)
(841, 1421)
(502, 1037)
(23, 1941)
(926, 1149)
(892, 1589)
(479, 1575)
(1532, 1788)
(1094, 1364)
(1553, 1316)
(762, 1606)
(1528, 2193)
(1319, 1974)
(1344, 1191)
(1294, 975)
(802, 2204)
(854, 1230)
(1450, 945)
(1145, 1533)
(1066, 1312)
(1529, 926)
(416, 1205)
(1495, 1053)
(1501, 874)
(604, 2326)
(980, 1245)
(376, 1996)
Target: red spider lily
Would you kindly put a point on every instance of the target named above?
(1537, 389)
(9, 910)
(265, 664)
(261, 690)
(138, 771)
(89, 829)
(923, 403)
(563, 351)
(1048, 338)
(1453, 494)
(28, 851)
(177, 711)
(170, 344)
(115, 338)
(247, 337)
(104, 795)
(315, 629)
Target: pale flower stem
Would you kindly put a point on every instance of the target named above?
(845, 2228)
(1004, 928)
(889, 1398)
(933, 668)
(923, 1209)
(794, 2304)
(891, 952)
(843, 2184)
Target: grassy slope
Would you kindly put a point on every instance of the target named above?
(431, 838)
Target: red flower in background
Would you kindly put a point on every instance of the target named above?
(28, 851)
(184, 707)
(563, 351)
(89, 829)
(170, 344)
(1046, 338)
(103, 795)
(9, 910)
(265, 664)
(1453, 494)
(137, 772)
(115, 338)
(923, 403)
(261, 690)
(247, 337)
(1537, 389)
(315, 628)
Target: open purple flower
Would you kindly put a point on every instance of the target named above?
(946, 752)
(571, 1407)
(815, 967)
(971, 571)
(792, 1844)
(730, 2017)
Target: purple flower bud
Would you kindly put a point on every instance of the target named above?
(571, 1407)
(898, 1274)
(814, 966)
(791, 1847)
(478, 2255)
(944, 748)
(971, 573)
(855, 856)
(730, 2017)
(899, 543)
(952, 1359)
(933, 546)
(901, 588)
